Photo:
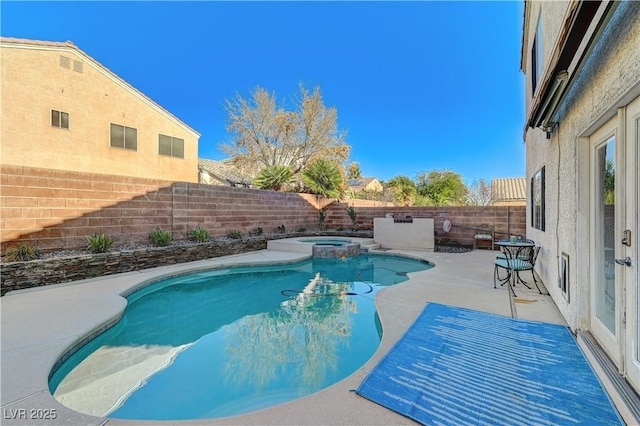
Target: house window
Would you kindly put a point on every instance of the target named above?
(59, 119)
(536, 57)
(171, 146)
(124, 137)
(564, 275)
(537, 200)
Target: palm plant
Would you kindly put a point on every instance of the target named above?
(323, 178)
(404, 190)
(274, 177)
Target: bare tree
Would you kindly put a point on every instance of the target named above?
(479, 193)
(264, 134)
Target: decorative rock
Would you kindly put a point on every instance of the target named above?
(55, 270)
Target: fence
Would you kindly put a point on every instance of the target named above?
(505, 220)
(57, 210)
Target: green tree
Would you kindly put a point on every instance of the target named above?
(403, 189)
(609, 182)
(323, 178)
(274, 177)
(353, 171)
(264, 134)
(443, 188)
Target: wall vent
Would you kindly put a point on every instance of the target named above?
(77, 66)
(65, 62)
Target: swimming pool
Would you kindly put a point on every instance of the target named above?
(225, 342)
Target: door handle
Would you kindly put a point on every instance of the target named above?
(625, 261)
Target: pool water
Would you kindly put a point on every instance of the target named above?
(225, 342)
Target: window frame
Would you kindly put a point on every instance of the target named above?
(172, 145)
(538, 194)
(60, 120)
(124, 137)
(536, 57)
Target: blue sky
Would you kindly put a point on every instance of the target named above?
(418, 86)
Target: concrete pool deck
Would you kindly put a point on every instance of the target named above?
(39, 325)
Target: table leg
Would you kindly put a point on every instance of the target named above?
(512, 281)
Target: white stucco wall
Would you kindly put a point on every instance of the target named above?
(609, 79)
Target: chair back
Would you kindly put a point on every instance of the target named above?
(534, 255)
(522, 259)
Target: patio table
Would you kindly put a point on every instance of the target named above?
(512, 251)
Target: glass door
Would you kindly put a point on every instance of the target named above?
(605, 287)
(615, 243)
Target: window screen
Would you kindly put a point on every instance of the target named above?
(59, 119)
(537, 200)
(124, 137)
(168, 145)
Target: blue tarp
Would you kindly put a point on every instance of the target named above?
(459, 366)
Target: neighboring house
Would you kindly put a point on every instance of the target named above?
(364, 184)
(221, 172)
(582, 66)
(509, 192)
(63, 110)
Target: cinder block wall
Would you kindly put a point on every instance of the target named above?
(58, 210)
(506, 220)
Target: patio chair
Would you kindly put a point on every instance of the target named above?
(484, 233)
(524, 259)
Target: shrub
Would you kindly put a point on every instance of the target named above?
(256, 231)
(22, 253)
(354, 218)
(200, 234)
(235, 234)
(302, 229)
(281, 229)
(99, 243)
(322, 215)
(159, 237)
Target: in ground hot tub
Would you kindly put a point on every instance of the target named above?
(332, 248)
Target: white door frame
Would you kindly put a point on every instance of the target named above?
(632, 223)
(623, 345)
(607, 334)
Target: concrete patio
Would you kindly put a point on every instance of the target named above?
(39, 325)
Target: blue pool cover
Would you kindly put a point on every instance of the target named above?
(459, 366)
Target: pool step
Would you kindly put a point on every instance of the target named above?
(368, 245)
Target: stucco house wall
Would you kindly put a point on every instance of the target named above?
(610, 74)
(552, 14)
(37, 77)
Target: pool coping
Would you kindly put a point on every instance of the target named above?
(40, 325)
(298, 245)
